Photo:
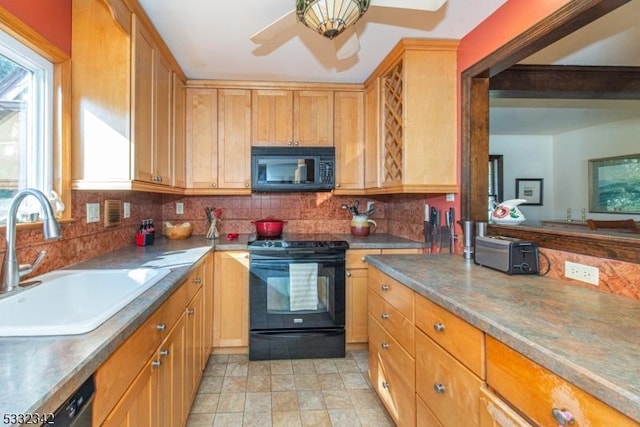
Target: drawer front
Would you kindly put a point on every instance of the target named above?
(393, 376)
(115, 375)
(536, 391)
(194, 281)
(462, 340)
(392, 291)
(449, 389)
(424, 416)
(355, 257)
(496, 413)
(394, 323)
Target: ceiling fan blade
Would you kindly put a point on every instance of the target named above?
(430, 5)
(272, 30)
(347, 43)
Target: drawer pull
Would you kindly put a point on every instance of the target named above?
(438, 327)
(385, 385)
(384, 316)
(197, 280)
(191, 311)
(439, 388)
(384, 288)
(161, 326)
(562, 416)
(164, 353)
(385, 345)
(348, 274)
(156, 363)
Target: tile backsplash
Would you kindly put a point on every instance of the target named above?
(400, 215)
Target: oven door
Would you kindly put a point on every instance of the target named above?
(296, 293)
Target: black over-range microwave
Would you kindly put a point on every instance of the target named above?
(292, 168)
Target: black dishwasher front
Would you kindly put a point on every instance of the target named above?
(77, 410)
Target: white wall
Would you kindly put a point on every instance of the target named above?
(527, 157)
(561, 160)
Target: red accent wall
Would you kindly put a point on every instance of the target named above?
(50, 18)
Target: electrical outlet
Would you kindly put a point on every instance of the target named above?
(581, 272)
(179, 208)
(126, 207)
(93, 212)
(450, 197)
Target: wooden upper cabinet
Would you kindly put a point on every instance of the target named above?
(286, 117)
(418, 118)
(372, 134)
(179, 133)
(349, 141)
(202, 138)
(234, 139)
(272, 117)
(152, 94)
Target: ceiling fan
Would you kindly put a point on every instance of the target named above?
(331, 18)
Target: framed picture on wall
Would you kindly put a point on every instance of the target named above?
(529, 189)
(614, 184)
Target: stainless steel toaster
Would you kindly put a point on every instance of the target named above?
(511, 256)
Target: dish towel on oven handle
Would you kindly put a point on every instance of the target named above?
(303, 286)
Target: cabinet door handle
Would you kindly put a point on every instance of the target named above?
(562, 416)
(439, 388)
(386, 385)
(197, 280)
(191, 311)
(384, 316)
(156, 363)
(438, 327)
(348, 274)
(384, 287)
(161, 326)
(385, 345)
(164, 353)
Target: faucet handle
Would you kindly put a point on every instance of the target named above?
(24, 269)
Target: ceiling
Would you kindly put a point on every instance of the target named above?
(611, 40)
(210, 39)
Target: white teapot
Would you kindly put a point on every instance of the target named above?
(507, 212)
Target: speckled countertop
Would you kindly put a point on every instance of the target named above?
(590, 338)
(37, 374)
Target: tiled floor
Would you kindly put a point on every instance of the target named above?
(287, 393)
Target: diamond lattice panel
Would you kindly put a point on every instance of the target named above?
(393, 125)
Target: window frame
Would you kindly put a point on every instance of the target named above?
(61, 114)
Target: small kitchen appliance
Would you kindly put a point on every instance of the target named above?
(509, 255)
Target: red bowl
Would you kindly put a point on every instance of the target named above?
(269, 227)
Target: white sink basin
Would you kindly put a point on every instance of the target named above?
(70, 302)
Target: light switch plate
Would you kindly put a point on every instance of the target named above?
(450, 197)
(93, 212)
(126, 208)
(179, 208)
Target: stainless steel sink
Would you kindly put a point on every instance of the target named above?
(69, 302)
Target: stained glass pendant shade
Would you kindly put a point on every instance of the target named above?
(330, 17)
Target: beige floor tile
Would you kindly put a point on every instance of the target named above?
(330, 382)
(303, 366)
(315, 418)
(200, 420)
(260, 367)
(215, 369)
(228, 420)
(236, 358)
(286, 419)
(237, 369)
(205, 403)
(282, 382)
(337, 399)
(231, 402)
(284, 401)
(219, 358)
(281, 367)
(346, 366)
(310, 400)
(344, 418)
(354, 381)
(210, 384)
(374, 417)
(234, 384)
(257, 402)
(365, 399)
(258, 383)
(306, 382)
(325, 366)
(257, 419)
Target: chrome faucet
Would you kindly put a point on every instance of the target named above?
(11, 270)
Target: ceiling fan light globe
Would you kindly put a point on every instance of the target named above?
(330, 17)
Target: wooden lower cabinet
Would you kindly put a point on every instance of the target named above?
(152, 378)
(494, 412)
(536, 392)
(424, 416)
(231, 300)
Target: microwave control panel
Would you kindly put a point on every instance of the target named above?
(326, 172)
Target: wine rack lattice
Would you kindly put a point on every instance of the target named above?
(393, 130)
